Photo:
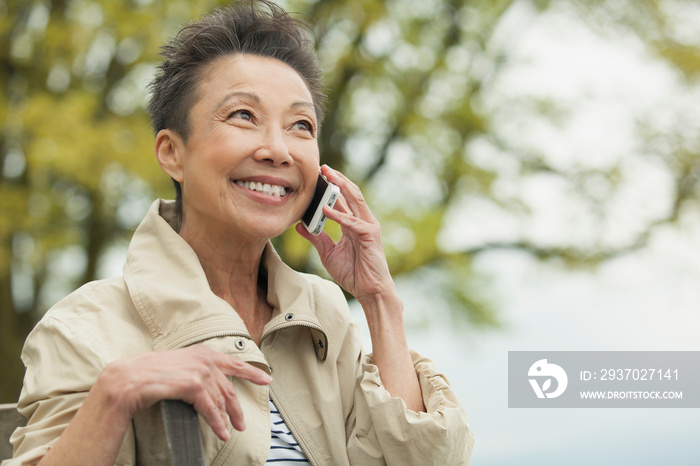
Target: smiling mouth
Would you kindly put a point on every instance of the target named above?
(268, 189)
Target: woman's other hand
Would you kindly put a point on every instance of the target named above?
(196, 374)
(357, 261)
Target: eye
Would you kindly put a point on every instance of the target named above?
(242, 114)
(303, 125)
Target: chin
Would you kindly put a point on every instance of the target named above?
(271, 230)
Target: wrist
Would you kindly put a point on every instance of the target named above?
(96, 431)
(384, 314)
(112, 392)
(387, 299)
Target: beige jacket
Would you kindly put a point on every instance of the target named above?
(326, 388)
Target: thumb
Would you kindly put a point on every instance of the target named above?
(323, 243)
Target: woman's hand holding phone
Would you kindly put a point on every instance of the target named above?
(357, 261)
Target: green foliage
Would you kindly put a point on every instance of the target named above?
(405, 81)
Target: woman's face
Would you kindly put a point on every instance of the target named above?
(251, 161)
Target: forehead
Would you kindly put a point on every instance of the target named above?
(265, 77)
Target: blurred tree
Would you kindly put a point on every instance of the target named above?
(76, 147)
(406, 83)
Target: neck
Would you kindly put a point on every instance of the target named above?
(232, 267)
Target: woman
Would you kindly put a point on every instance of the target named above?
(206, 311)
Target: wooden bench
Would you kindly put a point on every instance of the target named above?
(10, 419)
(176, 426)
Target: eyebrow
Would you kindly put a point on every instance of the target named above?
(256, 99)
(303, 103)
(234, 94)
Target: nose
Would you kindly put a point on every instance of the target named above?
(273, 148)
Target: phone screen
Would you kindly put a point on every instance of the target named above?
(321, 186)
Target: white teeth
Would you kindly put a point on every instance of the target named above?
(270, 190)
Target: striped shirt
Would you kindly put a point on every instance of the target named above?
(284, 449)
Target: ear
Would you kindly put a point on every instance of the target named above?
(170, 150)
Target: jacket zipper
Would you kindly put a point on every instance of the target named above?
(295, 433)
(226, 446)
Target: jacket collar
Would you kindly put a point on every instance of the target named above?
(171, 294)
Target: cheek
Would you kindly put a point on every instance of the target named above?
(309, 175)
(311, 171)
(308, 162)
(311, 158)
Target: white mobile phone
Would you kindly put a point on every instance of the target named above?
(325, 194)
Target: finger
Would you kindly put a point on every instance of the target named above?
(220, 404)
(348, 222)
(351, 192)
(233, 366)
(342, 205)
(322, 242)
(207, 389)
(347, 187)
(335, 174)
(212, 414)
(233, 406)
(223, 391)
